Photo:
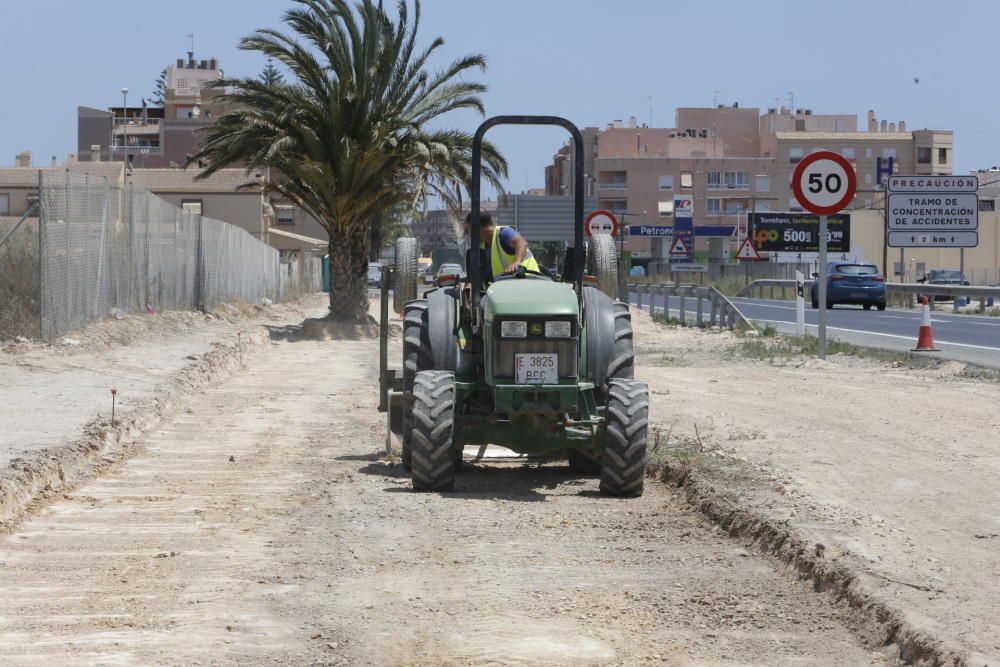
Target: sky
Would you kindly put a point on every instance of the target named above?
(931, 64)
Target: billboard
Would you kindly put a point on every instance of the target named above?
(799, 232)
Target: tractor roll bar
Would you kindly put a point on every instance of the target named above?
(475, 273)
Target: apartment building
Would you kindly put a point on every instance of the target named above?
(438, 228)
(733, 160)
(152, 136)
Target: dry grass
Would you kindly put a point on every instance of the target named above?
(19, 289)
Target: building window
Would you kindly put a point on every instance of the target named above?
(4, 204)
(667, 182)
(613, 180)
(800, 124)
(614, 205)
(666, 208)
(942, 156)
(868, 179)
(868, 152)
(987, 204)
(713, 180)
(687, 180)
(713, 206)
(924, 155)
(763, 183)
(738, 180)
(192, 206)
(847, 153)
(284, 214)
(734, 206)
(889, 152)
(795, 154)
(794, 205)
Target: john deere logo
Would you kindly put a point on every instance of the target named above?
(536, 329)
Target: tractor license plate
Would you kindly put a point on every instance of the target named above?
(536, 368)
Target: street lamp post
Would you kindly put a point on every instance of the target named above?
(125, 126)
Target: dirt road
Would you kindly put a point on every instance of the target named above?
(893, 469)
(260, 527)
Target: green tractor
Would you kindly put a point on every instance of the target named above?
(535, 363)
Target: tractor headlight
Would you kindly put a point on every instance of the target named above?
(514, 329)
(558, 329)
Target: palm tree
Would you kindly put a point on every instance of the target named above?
(348, 132)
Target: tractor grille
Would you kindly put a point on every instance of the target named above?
(506, 349)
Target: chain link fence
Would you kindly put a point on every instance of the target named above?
(97, 248)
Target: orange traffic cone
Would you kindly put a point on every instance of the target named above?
(925, 339)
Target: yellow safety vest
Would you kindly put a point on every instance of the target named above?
(501, 259)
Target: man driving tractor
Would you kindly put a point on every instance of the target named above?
(507, 249)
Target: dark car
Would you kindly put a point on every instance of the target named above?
(943, 277)
(851, 282)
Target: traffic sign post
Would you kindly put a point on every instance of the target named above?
(824, 183)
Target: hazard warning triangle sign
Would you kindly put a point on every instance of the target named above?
(747, 251)
(678, 249)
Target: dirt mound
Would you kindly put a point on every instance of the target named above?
(327, 329)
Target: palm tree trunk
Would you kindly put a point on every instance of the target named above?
(349, 275)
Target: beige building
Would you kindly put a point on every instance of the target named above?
(733, 160)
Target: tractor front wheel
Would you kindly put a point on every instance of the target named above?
(623, 468)
(433, 426)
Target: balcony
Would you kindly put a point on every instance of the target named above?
(617, 185)
(136, 121)
(135, 150)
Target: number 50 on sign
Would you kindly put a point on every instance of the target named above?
(824, 182)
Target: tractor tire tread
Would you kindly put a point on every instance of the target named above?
(623, 469)
(622, 362)
(433, 458)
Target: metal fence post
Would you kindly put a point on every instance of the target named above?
(715, 308)
(681, 294)
(652, 301)
(700, 306)
(638, 296)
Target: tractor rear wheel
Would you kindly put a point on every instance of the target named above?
(404, 275)
(602, 263)
(433, 462)
(623, 468)
(417, 356)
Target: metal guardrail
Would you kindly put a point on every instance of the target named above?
(909, 291)
(771, 283)
(721, 311)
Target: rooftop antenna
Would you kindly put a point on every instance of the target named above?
(191, 52)
(650, 98)
(791, 100)
(715, 99)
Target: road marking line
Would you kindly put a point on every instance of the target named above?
(876, 333)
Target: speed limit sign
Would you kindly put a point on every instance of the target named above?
(824, 182)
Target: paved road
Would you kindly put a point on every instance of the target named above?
(967, 338)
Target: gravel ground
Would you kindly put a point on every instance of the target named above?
(891, 470)
(48, 393)
(261, 526)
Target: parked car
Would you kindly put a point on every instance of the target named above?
(429, 276)
(451, 270)
(374, 274)
(851, 283)
(942, 277)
